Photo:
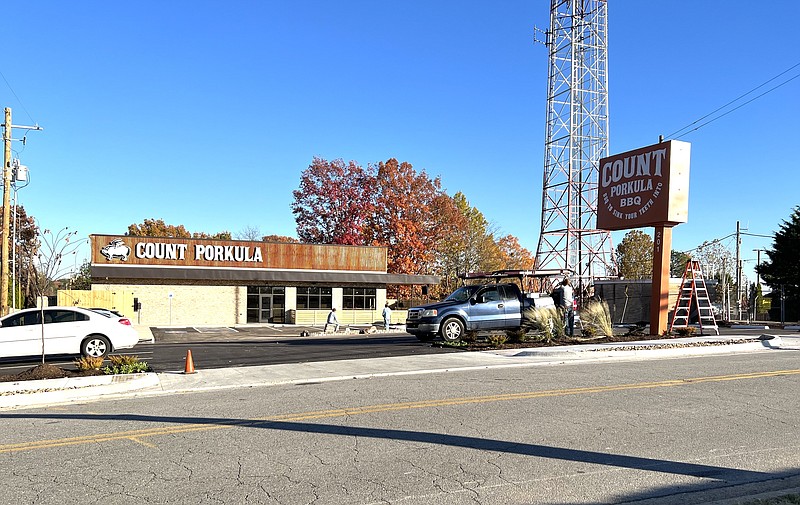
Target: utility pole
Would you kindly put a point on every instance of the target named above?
(738, 272)
(7, 128)
(6, 212)
(758, 282)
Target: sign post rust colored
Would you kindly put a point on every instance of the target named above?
(659, 294)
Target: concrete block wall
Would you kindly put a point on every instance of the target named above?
(188, 305)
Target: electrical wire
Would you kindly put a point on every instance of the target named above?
(670, 136)
(17, 97)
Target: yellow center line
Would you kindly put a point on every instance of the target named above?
(137, 435)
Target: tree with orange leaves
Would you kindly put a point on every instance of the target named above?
(513, 255)
(403, 216)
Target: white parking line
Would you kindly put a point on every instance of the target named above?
(213, 329)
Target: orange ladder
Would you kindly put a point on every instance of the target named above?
(693, 294)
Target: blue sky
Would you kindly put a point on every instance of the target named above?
(205, 113)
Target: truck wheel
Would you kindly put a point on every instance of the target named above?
(425, 337)
(452, 330)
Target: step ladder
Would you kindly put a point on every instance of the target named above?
(693, 294)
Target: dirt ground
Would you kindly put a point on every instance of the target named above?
(46, 371)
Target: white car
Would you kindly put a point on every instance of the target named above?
(67, 330)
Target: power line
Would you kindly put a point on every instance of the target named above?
(670, 136)
(18, 100)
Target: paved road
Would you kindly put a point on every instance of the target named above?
(221, 347)
(228, 347)
(668, 431)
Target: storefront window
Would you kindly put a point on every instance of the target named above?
(358, 298)
(266, 304)
(314, 297)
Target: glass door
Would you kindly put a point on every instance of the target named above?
(266, 304)
(265, 310)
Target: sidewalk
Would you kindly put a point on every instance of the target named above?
(55, 391)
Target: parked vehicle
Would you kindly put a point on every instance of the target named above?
(476, 307)
(67, 330)
(107, 312)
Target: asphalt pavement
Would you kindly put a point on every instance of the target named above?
(58, 391)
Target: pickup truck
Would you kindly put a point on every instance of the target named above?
(473, 308)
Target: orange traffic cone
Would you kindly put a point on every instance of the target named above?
(189, 362)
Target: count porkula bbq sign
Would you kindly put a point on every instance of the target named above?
(644, 187)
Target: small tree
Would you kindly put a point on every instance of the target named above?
(251, 233)
(635, 255)
(677, 263)
(55, 252)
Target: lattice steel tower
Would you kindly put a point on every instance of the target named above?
(576, 139)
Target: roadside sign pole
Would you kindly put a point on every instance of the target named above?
(659, 293)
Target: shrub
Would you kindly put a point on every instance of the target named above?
(88, 363)
(470, 337)
(517, 336)
(548, 321)
(596, 315)
(689, 331)
(122, 364)
(498, 340)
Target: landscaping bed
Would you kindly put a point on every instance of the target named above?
(47, 371)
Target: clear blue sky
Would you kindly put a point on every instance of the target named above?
(205, 113)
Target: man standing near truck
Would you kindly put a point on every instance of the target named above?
(566, 303)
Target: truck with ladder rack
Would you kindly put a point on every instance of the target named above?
(485, 306)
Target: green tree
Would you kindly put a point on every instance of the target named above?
(677, 263)
(82, 279)
(781, 270)
(480, 251)
(635, 255)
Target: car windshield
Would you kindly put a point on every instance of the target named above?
(461, 294)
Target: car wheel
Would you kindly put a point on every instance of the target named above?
(95, 346)
(425, 337)
(452, 330)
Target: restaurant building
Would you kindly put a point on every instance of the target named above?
(196, 282)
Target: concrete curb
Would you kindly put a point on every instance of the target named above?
(51, 391)
(676, 346)
(55, 391)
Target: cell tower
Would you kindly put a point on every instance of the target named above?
(576, 139)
